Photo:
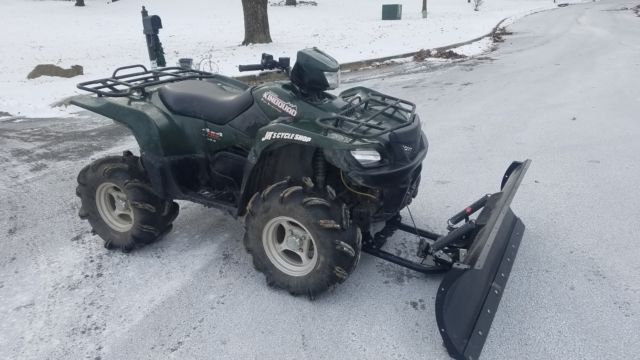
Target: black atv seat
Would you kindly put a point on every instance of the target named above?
(205, 100)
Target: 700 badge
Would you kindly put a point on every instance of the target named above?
(211, 135)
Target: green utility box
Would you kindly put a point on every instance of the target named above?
(392, 12)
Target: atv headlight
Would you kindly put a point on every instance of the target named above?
(333, 79)
(366, 156)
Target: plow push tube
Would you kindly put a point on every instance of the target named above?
(470, 292)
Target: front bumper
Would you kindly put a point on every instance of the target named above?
(396, 183)
(394, 180)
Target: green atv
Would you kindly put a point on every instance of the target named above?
(318, 178)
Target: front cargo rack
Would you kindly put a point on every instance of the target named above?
(136, 83)
(369, 113)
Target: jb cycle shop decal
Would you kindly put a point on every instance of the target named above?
(270, 135)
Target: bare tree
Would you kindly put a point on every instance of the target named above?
(477, 4)
(79, 2)
(256, 22)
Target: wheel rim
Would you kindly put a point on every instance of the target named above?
(114, 207)
(289, 246)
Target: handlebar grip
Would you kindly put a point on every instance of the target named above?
(251, 67)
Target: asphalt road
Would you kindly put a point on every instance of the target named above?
(561, 90)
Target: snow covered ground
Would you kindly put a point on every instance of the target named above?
(562, 90)
(103, 36)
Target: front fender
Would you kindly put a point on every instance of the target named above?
(271, 139)
(281, 132)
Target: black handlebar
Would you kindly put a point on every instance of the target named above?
(268, 63)
(255, 67)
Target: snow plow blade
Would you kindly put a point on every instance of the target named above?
(470, 292)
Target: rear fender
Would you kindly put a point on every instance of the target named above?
(155, 131)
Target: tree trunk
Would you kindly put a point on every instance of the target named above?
(291, 3)
(256, 22)
(79, 2)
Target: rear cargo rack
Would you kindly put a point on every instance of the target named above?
(369, 113)
(136, 83)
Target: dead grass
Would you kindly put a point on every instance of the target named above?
(499, 34)
(422, 55)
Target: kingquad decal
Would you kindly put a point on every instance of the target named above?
(270, 135)
(211, 135)
(272, 99)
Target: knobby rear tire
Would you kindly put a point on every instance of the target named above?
(151, 216)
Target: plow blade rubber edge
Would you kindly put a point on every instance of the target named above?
(470, 292)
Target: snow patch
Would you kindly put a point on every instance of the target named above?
(103, 36)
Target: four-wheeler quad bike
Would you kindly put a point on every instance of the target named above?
(318, 178)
